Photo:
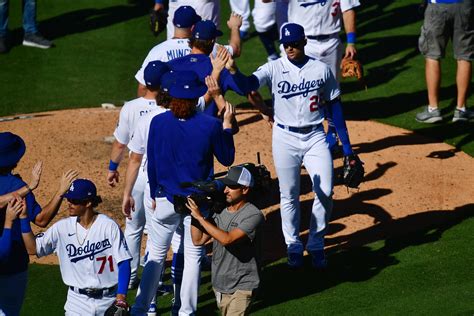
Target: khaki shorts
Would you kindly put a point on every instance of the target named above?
(448, 21)
(234, 304)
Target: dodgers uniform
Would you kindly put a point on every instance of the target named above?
(88, 259)
(129, 116)
(206, 9)
(322, 21)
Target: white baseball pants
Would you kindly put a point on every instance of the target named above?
(290, 150)
(80, 304)
(263, 14)
(163, 224)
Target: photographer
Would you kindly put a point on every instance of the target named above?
(181, 147)
(235, 262)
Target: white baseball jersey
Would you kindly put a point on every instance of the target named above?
(87, 258)
(168, 50)
(319, 17)
(298, 93)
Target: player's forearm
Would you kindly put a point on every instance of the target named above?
(335, 112)
(22, 192)
(349, 19)
(235, 42)
(49, 211)
(118, 150)
(124, 272)
(132, 173)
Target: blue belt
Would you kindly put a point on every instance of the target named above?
(319, 37)
(95, 293)
(299, 130)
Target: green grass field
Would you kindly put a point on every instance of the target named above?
(101, 44)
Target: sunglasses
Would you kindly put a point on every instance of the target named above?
(77, 201)
(234, 187)
(292, 44)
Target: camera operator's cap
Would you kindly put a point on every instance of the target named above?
(81, 189)
(185, 17)
(187, 86)
(153, 73)
(238, 175)
(206, 30)
(291, 32)
(12, 148)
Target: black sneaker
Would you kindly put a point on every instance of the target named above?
(36, 40)
(3, 45)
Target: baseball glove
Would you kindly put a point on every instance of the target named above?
(118, 308)
(351, 68)
(353, 173)
(158, 21)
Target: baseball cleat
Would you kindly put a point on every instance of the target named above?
(36, 40)
(427, 116)
(295, 260)
(152, 310)
(463, 116)
(318, 259)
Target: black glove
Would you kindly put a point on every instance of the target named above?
(158, 21)
(118, 308)
(353, 171)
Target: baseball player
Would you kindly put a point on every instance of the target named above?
(129, 116)
(322, 21)
(13, 269)
(207, 9)
(173, 159)
(178, 46)
(301, 88)
(92, 251)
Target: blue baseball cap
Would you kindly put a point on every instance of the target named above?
(153, 73)
(167, 80)
(206, 30)
(291, 32)
(185, 17)
(81, 189)
(187, 86)
(12, 148)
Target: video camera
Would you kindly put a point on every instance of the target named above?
(211, 193)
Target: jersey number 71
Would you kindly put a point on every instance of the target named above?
(104, 260)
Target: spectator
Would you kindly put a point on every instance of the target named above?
(235, 260)
(445, 19)
(32, 37)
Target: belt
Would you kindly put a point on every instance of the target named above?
(319, 37)
(95, 293)
(299, 130)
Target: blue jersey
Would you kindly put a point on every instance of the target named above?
(183, 151)
(17, 260)
(201, 64)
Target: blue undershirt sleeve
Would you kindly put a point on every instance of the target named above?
(151, 163)
(5, 243)
(123, 276)
(244, 83)
(223, 142)
(335, 112)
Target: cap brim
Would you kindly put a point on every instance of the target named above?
(227, 181)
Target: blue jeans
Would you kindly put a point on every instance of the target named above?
(29, 17)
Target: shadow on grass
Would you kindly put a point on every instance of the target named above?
(352, 260)
(85, 20)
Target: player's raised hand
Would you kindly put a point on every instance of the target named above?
(213, 88)
(235, 21)
(128, 206)
(113, 177)
(36, 175)
(351, 51)
(14, 208)
(229, 115)
(220, 60)
(67, 178)
(230, 65)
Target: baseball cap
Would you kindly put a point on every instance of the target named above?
(206, 30)
(81, 189)
(291, 32)
(153, 73)
(185, 17)
(238, 175)
(12, 148)
(167, 80)
(187, 85)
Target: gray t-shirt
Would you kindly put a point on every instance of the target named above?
(236, 267)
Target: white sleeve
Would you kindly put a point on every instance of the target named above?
(140, 73)
(349, 4)
(227, 47)
(137, 142)
(122, 131)
(119, 244)
(201, 105)
(264, 74)
(47, 242)
(331, 86)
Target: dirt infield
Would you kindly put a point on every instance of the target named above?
(410, 179)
